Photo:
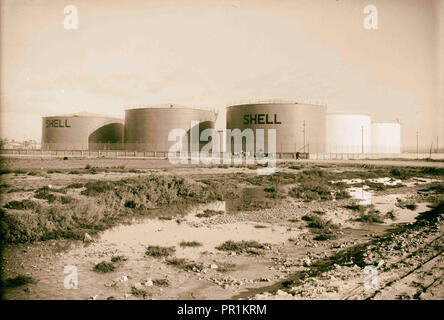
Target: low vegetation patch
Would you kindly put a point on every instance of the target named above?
(342, 194)
(209, 213)
(117, 259)
(370, 216)
(21, 205)
(104, 267)
(158, 252)
(311, 191)
(186, 265)
(225, 266)
(105, 204)
(249, 247)
(253, 206)
(18, 281)
(161, 282)
(323, 230)
(75, 185)
(406, 204)
(190, 244)
(139, 292)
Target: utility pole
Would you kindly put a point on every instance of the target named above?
(362, 138)
(304, 134)
(417, 143)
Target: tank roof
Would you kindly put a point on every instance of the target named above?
(277, 103)
(82, 115)
(169, 106)
(385, 122)
(348, 114)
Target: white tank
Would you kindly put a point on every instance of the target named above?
(386, 137)
(348, 133)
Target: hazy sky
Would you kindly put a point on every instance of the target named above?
(215, 52)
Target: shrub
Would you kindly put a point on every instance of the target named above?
(241, 246)
(18, 281)
(185, 264)
(74, 186)
(117, 259)
(161, 282)
(342, 194)
(21, 205)
(208, 213)
(371, 216)
(156, 251)
(190, 244)
(139, 292)
(130, 204)
(104, 267)
(310, 191)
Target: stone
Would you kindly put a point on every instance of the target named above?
(87, 238)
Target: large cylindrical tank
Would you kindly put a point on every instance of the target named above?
(82, 131)
(386, 137)
(348, 133)
(299, 127)
(147, 129)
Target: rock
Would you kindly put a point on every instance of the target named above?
(124, 279)
(127, 295)
(138, 285)
(149, 283)
(306, 262)
(87, 238)
(213, 266)
(93, 297)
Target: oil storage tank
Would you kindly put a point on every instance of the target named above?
(386, 137)
(82, 131)
(348, 133)
(299, 127)
(147, 129)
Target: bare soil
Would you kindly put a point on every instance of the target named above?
(291, 264)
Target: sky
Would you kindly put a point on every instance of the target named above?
(213, 53)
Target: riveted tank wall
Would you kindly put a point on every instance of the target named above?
(386, 137)
(81, 133)
(147, 129)
(294, 124)
(348, 133)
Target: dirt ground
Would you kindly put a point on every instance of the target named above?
(396, 258)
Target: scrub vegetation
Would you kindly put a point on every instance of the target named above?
(101, 204)
(249, 247)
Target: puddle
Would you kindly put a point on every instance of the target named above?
(171, 231)
(388, 181)
(387, 203)
(364, 197)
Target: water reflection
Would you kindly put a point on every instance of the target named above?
(387, 205)
(364, 197)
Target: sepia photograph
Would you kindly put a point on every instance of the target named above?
(213, 150)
